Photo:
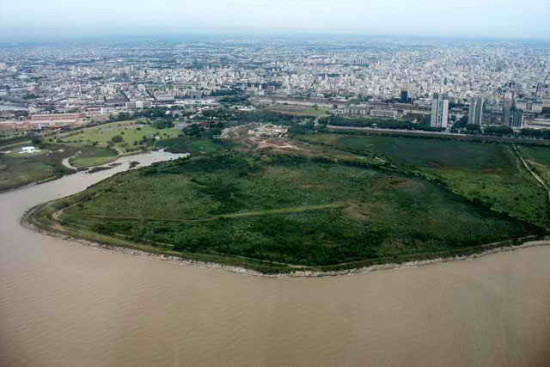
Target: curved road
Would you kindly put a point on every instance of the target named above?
(63, 304)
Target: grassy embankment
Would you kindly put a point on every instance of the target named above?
(281, 213)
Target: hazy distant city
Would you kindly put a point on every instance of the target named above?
(378, 76)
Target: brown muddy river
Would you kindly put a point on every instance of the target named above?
(64, 304)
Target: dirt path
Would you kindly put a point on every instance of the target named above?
(537, 177)
(531, 171)
(67, 161)
(227, 216)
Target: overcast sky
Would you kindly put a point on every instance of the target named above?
(468, 18)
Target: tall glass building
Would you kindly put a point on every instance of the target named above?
(440, 111)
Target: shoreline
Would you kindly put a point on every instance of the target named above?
(74, 170)
(35, 183)
(24, 222)
(56, 230)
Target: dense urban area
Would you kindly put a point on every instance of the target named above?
(501, 87)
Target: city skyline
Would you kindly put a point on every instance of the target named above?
(30, 19)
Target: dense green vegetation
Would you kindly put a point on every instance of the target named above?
(298, 110)
(282, 213)
(383, 123)
(8, 138)
(245, 117)
(536, 133)
(188, 145)
(461, 126)
(498, 130)
(489, 173)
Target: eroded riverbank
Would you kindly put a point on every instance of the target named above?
(295, 274)
(58, 231)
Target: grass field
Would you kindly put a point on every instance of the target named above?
(490, 173)
(92, 156)
(282, 213)
(133, 135)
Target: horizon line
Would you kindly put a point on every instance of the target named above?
(37, 36)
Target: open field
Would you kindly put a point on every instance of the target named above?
(490, 173)
(92, 156)
(279, 213)
(132, 135)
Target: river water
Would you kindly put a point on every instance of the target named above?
(64, 304)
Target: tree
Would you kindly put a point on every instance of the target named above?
(536, 133)
(498, 130)
(461, 123)
(194, 130)
(473, 128)
(163, 124)
(117, 139)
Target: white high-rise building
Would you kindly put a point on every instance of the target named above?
(475, 115)
(516, 118)
(440, 112)
(507, 105)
